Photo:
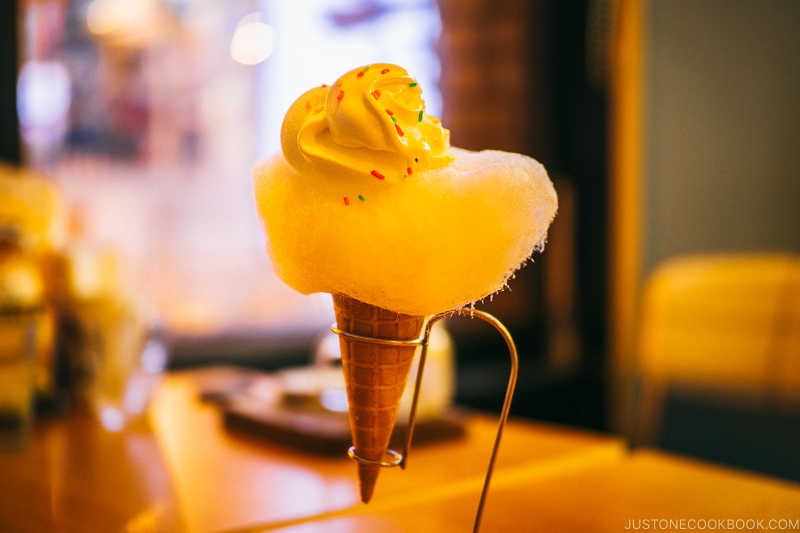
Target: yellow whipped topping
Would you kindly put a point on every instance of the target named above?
(371, 124)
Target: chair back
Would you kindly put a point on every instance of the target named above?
(726, 322)
(724, 326)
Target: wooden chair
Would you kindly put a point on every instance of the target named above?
(724, 331)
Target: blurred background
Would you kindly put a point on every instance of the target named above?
(670, 130)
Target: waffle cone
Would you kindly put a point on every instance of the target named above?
(375, 377)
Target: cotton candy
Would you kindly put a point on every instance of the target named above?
(436, 229)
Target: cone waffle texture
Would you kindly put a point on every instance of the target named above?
(375, 377)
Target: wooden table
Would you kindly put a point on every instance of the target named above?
(646, 491)
(186, 472)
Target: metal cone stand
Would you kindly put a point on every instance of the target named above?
(401, 460)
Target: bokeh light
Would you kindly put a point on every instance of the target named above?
(252, 41)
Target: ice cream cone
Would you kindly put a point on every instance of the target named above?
(375, 377)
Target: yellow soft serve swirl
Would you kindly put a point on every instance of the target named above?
(369, 125)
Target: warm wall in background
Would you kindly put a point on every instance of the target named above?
(706, 129)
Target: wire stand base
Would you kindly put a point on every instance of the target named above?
(392, 458)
